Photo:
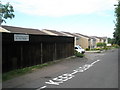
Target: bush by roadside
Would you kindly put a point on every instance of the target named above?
(93, 49)
(101, 49)
(77, 54)
(115, 46)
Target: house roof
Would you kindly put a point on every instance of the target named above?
(84, 35)
(53, 32)
(99, 37)
(3, 30)
(104, 37)
(76, 35)
(13, 29)
(69, 34)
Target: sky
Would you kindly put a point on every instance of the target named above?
(88, 17)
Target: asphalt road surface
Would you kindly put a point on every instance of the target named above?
(96, 70)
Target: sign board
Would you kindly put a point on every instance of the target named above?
(21, 37)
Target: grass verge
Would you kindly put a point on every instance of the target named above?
(19, 72)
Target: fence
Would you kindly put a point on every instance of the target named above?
(39, 49)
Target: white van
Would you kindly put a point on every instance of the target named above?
(79, 49)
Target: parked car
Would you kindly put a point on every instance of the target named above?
(79, 49)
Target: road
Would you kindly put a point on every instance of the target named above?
(96, 70)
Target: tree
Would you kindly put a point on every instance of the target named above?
(111, 40)
(116, 33)
(6, 11)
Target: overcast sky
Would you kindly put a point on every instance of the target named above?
(89, 17)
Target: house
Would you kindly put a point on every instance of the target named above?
(24, 47)
(86, 41)
(83, 40)
(92, 43)
(100, 39)
(79, 39)
(105, 40)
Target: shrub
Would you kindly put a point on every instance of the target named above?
(101, 44)
(107, 48)
(115, 46)
(77, 54)
(95, 49)
(87, 49)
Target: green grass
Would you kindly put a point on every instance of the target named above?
(80, 55)
(19, 72)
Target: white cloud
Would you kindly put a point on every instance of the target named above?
(58, 8)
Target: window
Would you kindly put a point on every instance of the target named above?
(77, 38)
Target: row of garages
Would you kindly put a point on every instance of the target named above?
(24, 47)
(79, 39)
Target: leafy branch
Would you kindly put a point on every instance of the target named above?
(6, 11)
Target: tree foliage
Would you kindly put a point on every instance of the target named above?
(116, 34)
(6, 11)
(111, 40)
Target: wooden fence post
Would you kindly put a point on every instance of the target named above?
(41, 53)
(21, 52)
(55, 52)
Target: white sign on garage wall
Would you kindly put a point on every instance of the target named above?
(21, 37)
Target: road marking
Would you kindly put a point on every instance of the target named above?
(60, 79)
(95, 62)
(41, 87)
(52, 82)
(65, 77)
